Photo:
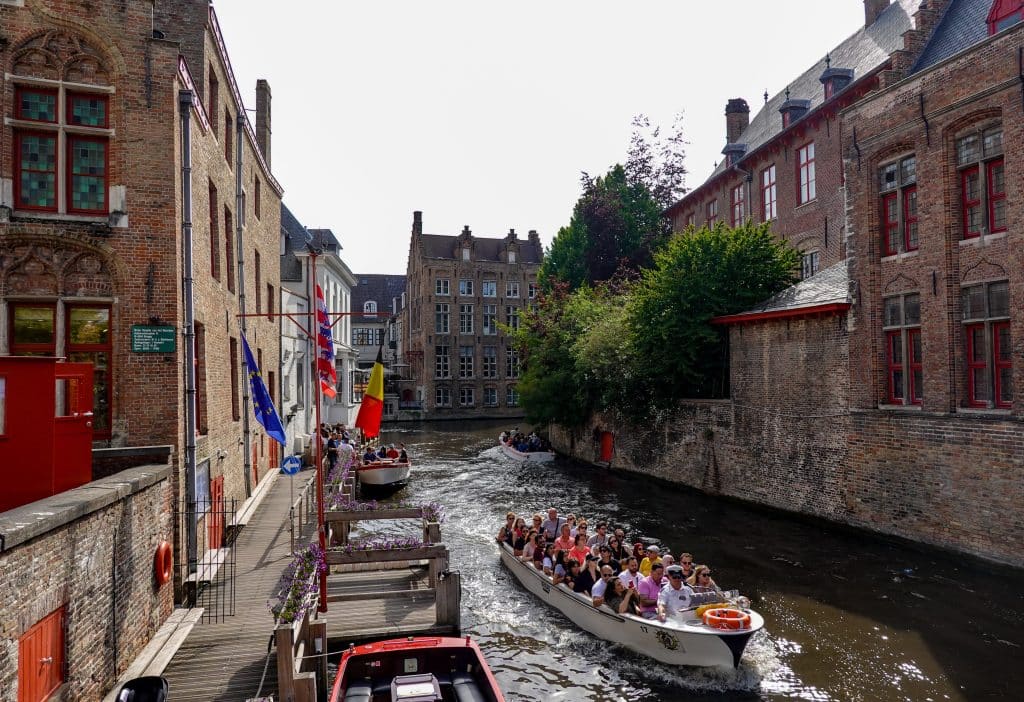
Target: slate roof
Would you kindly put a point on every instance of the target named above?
(962, 25)
(380, 288)
(295, 239)
(829, 286)
(862, 52)
(443, 246)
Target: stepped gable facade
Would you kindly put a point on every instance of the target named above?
(463, 292)
(96, 99)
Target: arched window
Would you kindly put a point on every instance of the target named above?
(1004, 14)
(370, 307)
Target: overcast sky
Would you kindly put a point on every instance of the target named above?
(485, 113)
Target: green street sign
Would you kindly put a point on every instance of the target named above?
(149, 339)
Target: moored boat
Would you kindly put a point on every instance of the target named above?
(681, 640)
(385, 474)
(415, 668)
(529, 456)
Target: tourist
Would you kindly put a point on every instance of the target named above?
(520, 533)
(674, 597)
(538, 553)
(648, 589)
(701, 580)
(638, 551)
(369, 456)
(392, 452)
(382, 452)
(581, 528)
(604, 557)
(570, 519)
(589, 575)
(617, 548)
(552, 526)
(686, 563)
(403, 457)
(620, 598)
(631, 577)
(548, 563)
(572, 572)
(346, 451)
(558, 574)
(606, 576)
(531, 544)
(507, 533)
(600, 537)
(579, 550)
(537, 521)
(653, 556)
(332, 450)
(564, 542)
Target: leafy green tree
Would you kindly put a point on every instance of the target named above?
(658, 162)
(699, 275)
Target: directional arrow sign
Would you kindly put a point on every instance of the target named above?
(291, 465)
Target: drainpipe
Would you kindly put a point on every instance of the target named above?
(191, 545)
(240, 246)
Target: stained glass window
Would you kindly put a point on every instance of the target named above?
(88, 110)
(38, 171)
(88, 171)
(39, 106)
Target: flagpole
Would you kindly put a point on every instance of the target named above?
(319, 457)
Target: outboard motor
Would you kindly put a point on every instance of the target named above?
(151, 688)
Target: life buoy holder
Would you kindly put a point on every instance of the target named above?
(729, 619)
(163, 563)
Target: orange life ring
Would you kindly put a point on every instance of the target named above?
(731, 619)
(163, 563)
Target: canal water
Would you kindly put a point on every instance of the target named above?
(848, 616)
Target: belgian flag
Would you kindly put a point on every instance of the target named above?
(372, 408)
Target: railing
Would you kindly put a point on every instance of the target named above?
(411, 405)
(304, 508)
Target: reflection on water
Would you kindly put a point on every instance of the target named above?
(848, 616)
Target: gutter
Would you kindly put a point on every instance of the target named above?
(789, 313)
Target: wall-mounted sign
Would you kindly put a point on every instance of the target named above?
(150, 339)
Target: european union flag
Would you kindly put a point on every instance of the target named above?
(266, 413)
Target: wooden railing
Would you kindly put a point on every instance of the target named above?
(301, 662)
(303, 510)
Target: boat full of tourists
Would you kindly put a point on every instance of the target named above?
(415, 668)
(717, 639)
(384, 474)
(508, 446)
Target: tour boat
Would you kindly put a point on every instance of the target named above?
(415, 668)
(681, 640)
(385, 474)
(529, 456)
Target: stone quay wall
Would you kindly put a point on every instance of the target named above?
(91, 551)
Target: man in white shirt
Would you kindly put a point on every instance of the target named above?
(631, 576)
(675, 596)
(599, 588)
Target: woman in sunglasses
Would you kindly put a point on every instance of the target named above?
(701, 580)
(619, 551)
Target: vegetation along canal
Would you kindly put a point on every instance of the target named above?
(848, 616)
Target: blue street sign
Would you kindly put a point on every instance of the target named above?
(291, 465)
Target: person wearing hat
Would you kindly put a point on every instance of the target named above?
(675, 596)
(653, 556)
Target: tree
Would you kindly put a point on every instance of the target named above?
(697, 276)
(615, 225)
(656, 162)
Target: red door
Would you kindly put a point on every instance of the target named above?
(607, 445)
(215, 522)
(73, 432)
(255, 465)
(41, 658)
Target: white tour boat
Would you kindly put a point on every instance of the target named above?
(682, 640)
(385, 474)
(529, 456)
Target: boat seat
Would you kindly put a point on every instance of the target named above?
(359, 692)
(466, 689)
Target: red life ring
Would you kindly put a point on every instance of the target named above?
(163, 563)
(732, 619)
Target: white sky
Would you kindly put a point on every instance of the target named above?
(484, 113)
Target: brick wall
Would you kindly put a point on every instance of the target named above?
(90, 550)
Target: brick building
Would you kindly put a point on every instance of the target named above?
(461, 291)
(381, 299)
(94, 187)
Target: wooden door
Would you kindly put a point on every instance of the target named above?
(41, 658)
(255, 465)
(215, 520)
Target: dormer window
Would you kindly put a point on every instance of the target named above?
(793, 109)
(465, 254)
(1004, 14)
(370, 307)
(835, 80)
(733, 153)
(511, 256)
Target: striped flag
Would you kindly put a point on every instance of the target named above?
(372, 408)
(325, 346)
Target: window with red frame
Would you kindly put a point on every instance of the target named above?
(89, 340)
(739, 205)
(42, 132)
(768, 194)
(989, 362)
(901, 324)
(214, 237)
(229, 249)
(1004, 14)
(805, 174)
(711, 212)
(897, 183)
(979, 156)
(233, 350)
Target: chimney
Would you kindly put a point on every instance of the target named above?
(737, 117)
(263, 118)
(417, 223)
(872, 9)
(534, 237)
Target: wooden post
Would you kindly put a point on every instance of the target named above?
(318, 647)
(284, 640)
(431, 532)
(448, 602)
